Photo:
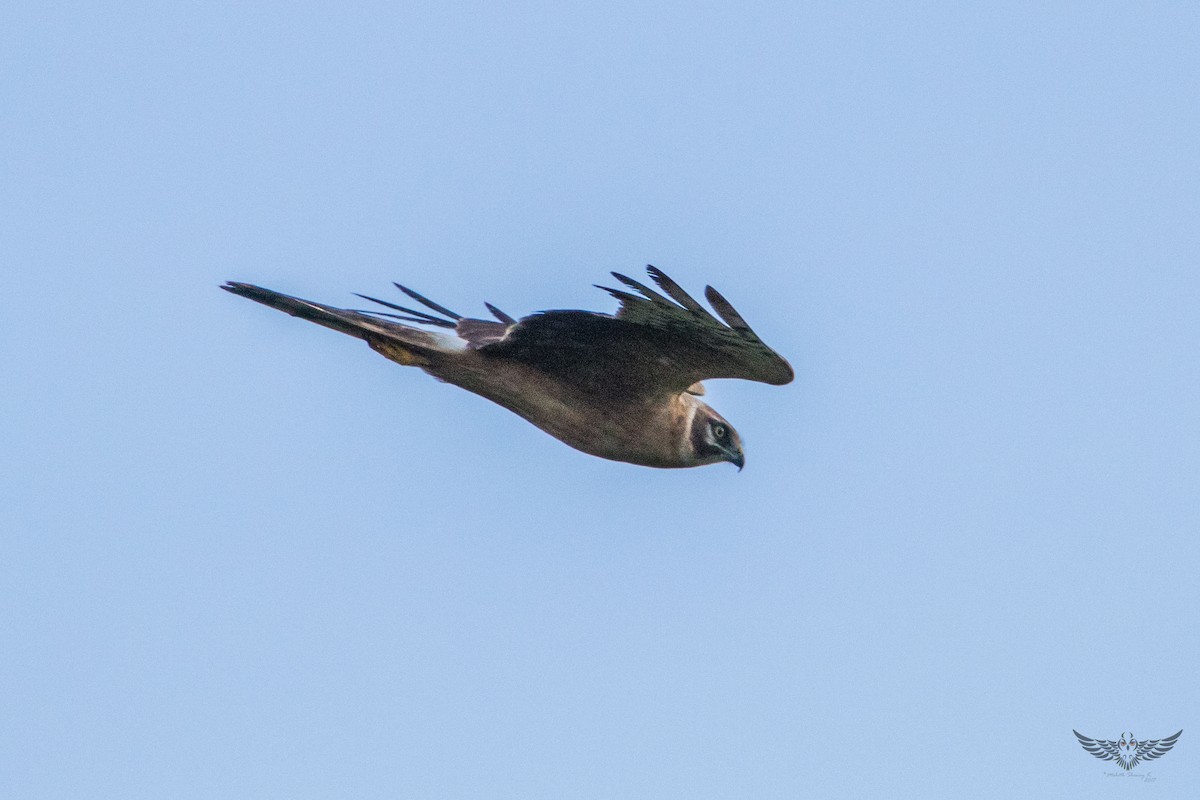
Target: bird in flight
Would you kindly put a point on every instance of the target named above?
(623, 387)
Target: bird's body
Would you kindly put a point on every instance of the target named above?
(619, 387)
(569, 412)
(575, 417)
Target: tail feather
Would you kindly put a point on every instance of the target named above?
(374, 331)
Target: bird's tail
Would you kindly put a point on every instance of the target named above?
(400, 343)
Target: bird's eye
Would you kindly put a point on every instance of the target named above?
(1122, 743)
(719, 430)
(1133, 742)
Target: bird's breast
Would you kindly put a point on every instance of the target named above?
(607, 425)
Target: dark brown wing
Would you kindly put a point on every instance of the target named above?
(652, 346)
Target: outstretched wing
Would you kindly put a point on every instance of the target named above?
(1103, 749)
(653, 346)
(1148, 751)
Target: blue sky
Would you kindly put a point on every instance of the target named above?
(243, 556)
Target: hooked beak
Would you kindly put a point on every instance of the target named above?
(738, 458)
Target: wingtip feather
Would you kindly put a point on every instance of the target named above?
(649, 293)
(414, 315)
(425, 301)
(727, 312)
(676, 291)
(500, 315)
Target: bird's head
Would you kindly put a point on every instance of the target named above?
(1127, 751)
(713, 439)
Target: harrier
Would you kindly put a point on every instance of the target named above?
(622, 387)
